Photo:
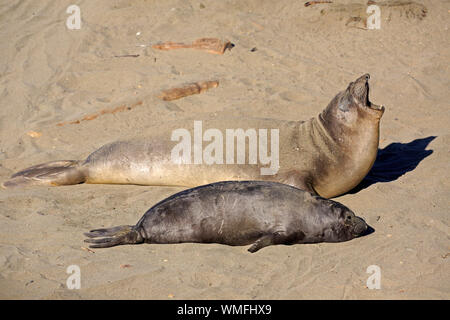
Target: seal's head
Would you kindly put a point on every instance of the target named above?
(358, 93)
(342, 224)
(352, 126)
(353, 104)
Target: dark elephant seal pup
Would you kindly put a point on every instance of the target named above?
(327, 155)
(238, 213)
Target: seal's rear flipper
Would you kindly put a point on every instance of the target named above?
(54, 173)
(113, 236)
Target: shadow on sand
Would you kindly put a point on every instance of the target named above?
(394, 161)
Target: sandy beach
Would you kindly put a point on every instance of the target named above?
(288, 62)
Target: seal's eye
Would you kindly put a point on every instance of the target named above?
(348, 217)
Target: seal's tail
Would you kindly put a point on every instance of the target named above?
(116, 236)
(54, 173)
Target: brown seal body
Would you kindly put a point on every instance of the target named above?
(238, 213)
(327, 155)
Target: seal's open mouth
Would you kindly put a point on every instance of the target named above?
(370, 104)
(361, 92)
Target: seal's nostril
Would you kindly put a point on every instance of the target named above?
(367, 77)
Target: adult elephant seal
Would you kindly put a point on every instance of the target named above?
(327, 155)
(238, 213)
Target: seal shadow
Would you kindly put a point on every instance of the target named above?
(394, 161)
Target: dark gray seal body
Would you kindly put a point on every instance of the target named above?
(238, 213)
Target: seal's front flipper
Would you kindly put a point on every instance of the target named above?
(115, 236)
(299, 180)
(54, 173)
(262, 242)
(268, 240)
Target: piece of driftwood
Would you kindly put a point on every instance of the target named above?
(187, 90)
(87, 249)
(93, 116)
(211, 45)
(310, 3)
(127, 56)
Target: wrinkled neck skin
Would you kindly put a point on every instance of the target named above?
(353, 128)
(351, 118)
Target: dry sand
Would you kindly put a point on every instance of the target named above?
(50, 74)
